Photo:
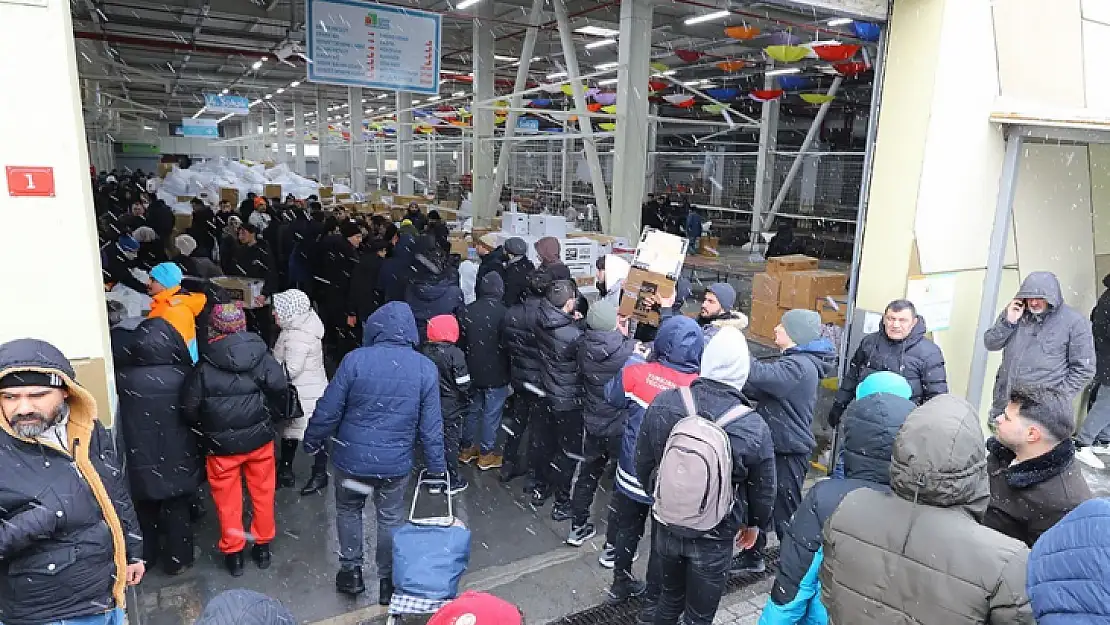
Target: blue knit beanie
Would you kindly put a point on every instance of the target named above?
(167, 274)
(884, 382)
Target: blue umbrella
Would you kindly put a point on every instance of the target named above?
(541, 103)
(867, 31)
(726, 93)
(791, 83)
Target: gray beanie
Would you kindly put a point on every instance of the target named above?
(560, 292)
(802, 326)
(516, 246)
(726, 295)
(602, 316)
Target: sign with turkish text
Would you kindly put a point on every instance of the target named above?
(200, 128)
(234, 104)
(30, 181)
(362, 44)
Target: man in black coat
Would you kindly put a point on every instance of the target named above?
(1094, 434)
(163, 458)
(517, 269)
(70, 542)
(488, 362)
(334, 266)
(254, 259)
(364, 297)
(159, 216)
(518, 339)
(603, 350)
(558, 331)
(434, 287)
(491, 256)
(1035, 480)
(118, 259)
(899, 346)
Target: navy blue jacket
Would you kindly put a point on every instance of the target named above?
(384, 394)
(786, 392)
(870, 427)
(397, 270)
(433, 291)
(1067, 574)
(601, 355)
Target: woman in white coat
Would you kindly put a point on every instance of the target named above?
(300, 348)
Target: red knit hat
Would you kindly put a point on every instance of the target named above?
(443, 329)
(477, 608)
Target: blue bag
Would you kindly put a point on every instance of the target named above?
(430, 555)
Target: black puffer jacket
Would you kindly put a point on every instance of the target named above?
(870, 426)
(234, 393)
(481, 323)
(1100, 327)
(454, 378)
(601, 355)
(518, 336)
(915, 358)
(558, 335)
(152, 364)
(67, 525)
(332, 270)
(516, 280)
(434, 289)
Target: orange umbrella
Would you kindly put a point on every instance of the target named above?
(731, 66)
(593, 107)
(742, 32)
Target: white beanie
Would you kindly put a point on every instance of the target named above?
(185, 244)
(145, 234)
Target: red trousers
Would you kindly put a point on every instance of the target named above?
(225, 476)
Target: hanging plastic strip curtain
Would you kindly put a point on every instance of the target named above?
(688, 56)
(731, 66)
(742, 33)
(724, 93)
(787, 54)
(766, 95)
(836, 53)
(867, 31)
(606, 98)
(817, 98)
(793, 83)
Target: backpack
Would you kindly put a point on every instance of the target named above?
(693, 486)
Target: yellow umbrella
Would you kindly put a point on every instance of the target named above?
(499, 120)
(611, 109)
(787, 54)
(817, 98)
(713, 108)
(659, 67)
(607, 126)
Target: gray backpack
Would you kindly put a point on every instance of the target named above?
(693, 486)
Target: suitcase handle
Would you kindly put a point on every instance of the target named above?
(422, 480)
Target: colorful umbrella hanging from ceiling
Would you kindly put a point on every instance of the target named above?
(659, 67)
(689, 104)
(606, 98)
(610, 109)
(851, 68)
(608, 126)
(688, 56)
(658, 85)
(593, 107)
(784, 38)
(867, 31)
(742, 33)
(817, 98)
(541, 103)
(713, 108)
(834, 53)
(678, 99)
(549, 88)
(787, 54)
(723, 93)
(765, 95)
(791, 83)
(731, 66)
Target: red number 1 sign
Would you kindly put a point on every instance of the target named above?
(30, 181)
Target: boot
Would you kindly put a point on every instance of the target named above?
(319, 479)
(285, 477)
(349, 581)
(234, 563)
(624, 587)
(262, 556)
(385, 590)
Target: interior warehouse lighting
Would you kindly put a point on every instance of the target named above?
(605, 66)
(708, 17)
(839, 21)
(597, 31)
(500, 57)
(224, 92)
(257, 65)
(269, 96)
(556, 75)
(280, 90)
(458, 94)
(784, 71)
(200, 112)
(466, 4)
(600, 44)
(295, 84)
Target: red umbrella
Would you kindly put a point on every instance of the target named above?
(658, 85)
(766, 95)
(836, 52)
(851, 69)
(688, 56)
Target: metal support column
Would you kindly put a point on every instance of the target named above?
(484, 204)
(379, 154)
(404, 143)
(517, 101)
(996, 258)
(282, 138)
(718, 177)
(764, 166)
(298, 137)
(814, 129)
(430, 165)
(322, 135)
(570, 56)
(568, 159)
(653, 146)
(630, 153)
(263, 136)
(358, 150)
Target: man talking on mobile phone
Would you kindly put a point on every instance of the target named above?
(1044, 342)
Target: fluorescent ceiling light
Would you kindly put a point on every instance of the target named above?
(253, 104)
(605, 66)
(466, 4)
(433, 98)
(416, 101)
(609, 81)
(290, 119)
(600, 44)
(670, 72)
(225, 118)
(264, 59)
(784, 71)
(597, 31)
(691, 83)
(257, 65)
(269, 96)
(504, 58)
(556, 75)
(707, 17)
(147, 128)
(459, 94)
(382, 96)
(839, 21)
(224, 92)
(200, 112)
(382, 108)
(295, 84)
(280, 90)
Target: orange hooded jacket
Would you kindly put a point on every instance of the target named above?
(180, 310)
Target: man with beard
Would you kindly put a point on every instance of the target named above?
(69, 539)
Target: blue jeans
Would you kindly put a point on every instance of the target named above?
(350, 498)
(111, 617)
(484, 419)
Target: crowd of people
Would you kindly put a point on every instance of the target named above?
(368, 351)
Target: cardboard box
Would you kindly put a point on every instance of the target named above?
(91, 374)
(326, 193)
(228, 194)
(786, 264)
(242, 289)
(765, 316)
(708, 246)
(165, 168)
(460, 246)
(272, 191)
(547, 226)
(181, 223)
(836, 316)
(766, 287)
(637, 286)
(516, 224)
(801, 288)
(184, 199)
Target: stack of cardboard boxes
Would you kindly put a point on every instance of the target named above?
(794, 282)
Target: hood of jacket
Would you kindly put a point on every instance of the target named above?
(431, 290)
(392, 323)
(939, 457)
(443, 329)
(821, 352)
(1044, 285)
(601, 345)
(870, 426)
(726, 359)
(244, 607)
(548, 250)
(492, 286)
(307, 322)
(679, 344)
(152, 342)
(239, 352)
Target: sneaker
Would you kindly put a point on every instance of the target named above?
(1087, 456)
(540, 495)
(747, 563)
(492, 460)
(458, 485)
(580, 534)
(624, 588)
(608, 557)
(1102, 450)
(561, 511)
(468, 455)
(349, 581)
